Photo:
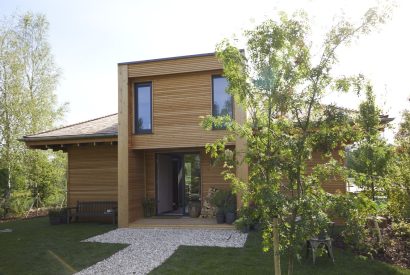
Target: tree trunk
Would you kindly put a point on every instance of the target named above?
(276, 255)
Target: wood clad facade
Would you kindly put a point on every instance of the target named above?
(178, 102)
(187, 64)
(92, 173)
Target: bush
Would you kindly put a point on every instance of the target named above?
(355, 210)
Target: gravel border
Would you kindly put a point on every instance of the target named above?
(149, 248)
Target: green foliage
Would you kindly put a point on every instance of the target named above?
(371, 157)
(280, 84)
(355, 211)
(399, 190)
(223, 200)
(28, 104)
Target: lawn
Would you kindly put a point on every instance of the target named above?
(251, 260)
(36, 247)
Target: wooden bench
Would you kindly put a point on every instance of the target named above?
(93, 209)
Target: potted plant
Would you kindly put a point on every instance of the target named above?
(230, 208)
(57, 215)
(194, 207)
(218, 200)
(148, 206)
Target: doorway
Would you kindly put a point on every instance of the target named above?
(178, 182)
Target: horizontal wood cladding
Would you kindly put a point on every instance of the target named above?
(92, 173)
(174, 66)
(333, 185)
(136, 184)
(178, 102)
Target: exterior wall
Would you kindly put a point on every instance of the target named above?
(92, 173)
(333, 185)
(197, 63)
(178, 102)
(136, 185)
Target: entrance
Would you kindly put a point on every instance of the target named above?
(178, 182)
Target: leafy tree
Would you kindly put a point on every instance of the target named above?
(371, 154)
(28, 104)
(280, 84)
(399, 190)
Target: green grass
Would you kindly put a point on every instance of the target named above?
(251, 260)
(36, 247)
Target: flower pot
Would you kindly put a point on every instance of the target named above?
(194, 209)
(230, 217)
(220, 218)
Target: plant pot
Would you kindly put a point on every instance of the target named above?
(194, 209)
(230, 217)
(147, 212)
(54, 220)
(220, 218)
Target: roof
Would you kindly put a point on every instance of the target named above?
(172, 58)
(106, 126)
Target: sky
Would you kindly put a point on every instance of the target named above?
(89, 38)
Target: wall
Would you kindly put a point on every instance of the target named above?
(92, 173)
(178, 102)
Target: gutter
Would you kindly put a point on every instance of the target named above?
(67, 137)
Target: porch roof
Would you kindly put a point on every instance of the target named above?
(102, 127)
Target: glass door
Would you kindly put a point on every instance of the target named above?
(192, 180)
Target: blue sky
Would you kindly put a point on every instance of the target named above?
(88, 39)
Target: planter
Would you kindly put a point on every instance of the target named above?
(220, 218)
(194, 209)
(230, 217)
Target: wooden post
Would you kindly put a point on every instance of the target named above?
(123, 207)
(240, 148)
(276, 255)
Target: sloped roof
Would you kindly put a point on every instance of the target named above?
(106, 126)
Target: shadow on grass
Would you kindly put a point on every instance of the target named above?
(36, 247)
(251, 260)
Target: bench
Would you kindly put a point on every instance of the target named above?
(93, 209)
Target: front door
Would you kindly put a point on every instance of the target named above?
(178, 182)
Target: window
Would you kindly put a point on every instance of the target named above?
(143, 108)
(222, 101)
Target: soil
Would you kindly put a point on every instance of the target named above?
(34, 213)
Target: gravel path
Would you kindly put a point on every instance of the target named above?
(151, 247)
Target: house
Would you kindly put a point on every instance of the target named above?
(155, 146)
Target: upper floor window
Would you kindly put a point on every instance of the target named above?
(222, 101)
(143, 107)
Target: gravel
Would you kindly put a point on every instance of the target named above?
(149, 248)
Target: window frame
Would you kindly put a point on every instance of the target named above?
(136, 109)
(213, 98)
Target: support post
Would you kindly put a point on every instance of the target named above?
(123, 207)
(240, 148)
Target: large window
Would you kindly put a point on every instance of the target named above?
(143, 108)
(222, 101)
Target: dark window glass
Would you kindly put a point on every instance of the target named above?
(222, 101)
(143, 112)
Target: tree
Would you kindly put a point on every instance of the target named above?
(28, 104)
(280, 86)
(398, 193)
(371, 155)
